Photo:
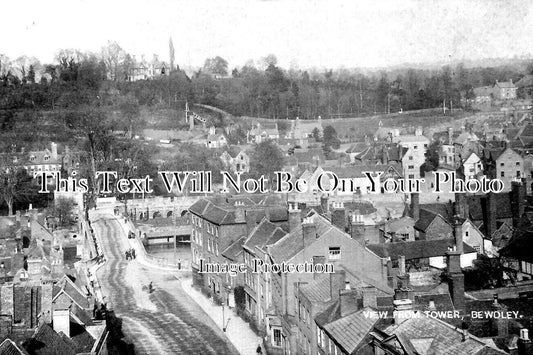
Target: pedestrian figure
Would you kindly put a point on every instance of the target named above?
(179, 264)
(259, 350)
(133, 253)
(128, 255)
(150, 287)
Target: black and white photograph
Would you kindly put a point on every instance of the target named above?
(266, 177)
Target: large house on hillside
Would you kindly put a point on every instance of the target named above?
(148, 70)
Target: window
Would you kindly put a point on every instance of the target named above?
(410, 167)
(46, 158)
(502, 174)
(425, 145)
(410, 157)
(276, 338)
(411, 176)
(517, 163)
(518, 174)
(502, 164)
(416, 147)
(334, 253)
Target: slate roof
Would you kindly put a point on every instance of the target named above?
(429, 335)
(505, 84)
(319, 289)
(221, 211)
(309, 155)
(263, 234)
(417, 249)
(65, 285)
(46, 341)
(213, 213)
(8, 347)
(234, 249)
(525, 81)
(355, 171)
(425, 219)
(291, 244)
(350, 331)
(401, 225)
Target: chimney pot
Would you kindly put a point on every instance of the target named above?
(432, 306)
(524, 334)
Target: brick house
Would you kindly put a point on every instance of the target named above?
(217, 224)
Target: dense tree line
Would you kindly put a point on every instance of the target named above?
(260, 89)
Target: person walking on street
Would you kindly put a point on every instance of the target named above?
(259, 351)
(133, 253)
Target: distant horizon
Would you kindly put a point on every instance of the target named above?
(303, 34)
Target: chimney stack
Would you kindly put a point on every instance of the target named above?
(61, 321)
(338, 215)
(251, 221)
(403, 286)
(370, 297)
(456, 279)
(240, 212)
(458, 235)
(337, 283)
(308, 231)
(294, 216)
(450, 135)
(348, 302)
(524, 343)
(54, 150)
(518, 199)
(415, 206)
(324, 203)
(357, 227)
(490, 216)
(461, 205)
(402, 310)
(318, 259)
(500, 326)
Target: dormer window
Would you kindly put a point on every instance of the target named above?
(46, 158)
(32, 158)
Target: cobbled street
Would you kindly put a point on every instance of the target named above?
(167, 321)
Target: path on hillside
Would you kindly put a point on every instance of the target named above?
(166, 321)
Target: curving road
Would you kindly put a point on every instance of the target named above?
(166, 321)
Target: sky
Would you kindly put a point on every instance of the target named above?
(302, 33)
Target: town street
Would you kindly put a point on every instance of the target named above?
(166, 321)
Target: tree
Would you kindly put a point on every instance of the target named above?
(267, 157)
(31, 74)
(15, 183)
(217, 65)
(432, 158)
(63, 210)
(486, 273)
(316, 134)
(171, 53)
(113, 56)
(330, 138)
